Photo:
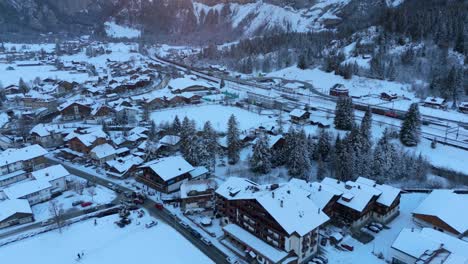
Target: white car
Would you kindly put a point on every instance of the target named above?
(206, 241)
(151, 224)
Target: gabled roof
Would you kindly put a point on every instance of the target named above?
(321, 194)
(297, 112)
(434, 100)
(355, 196)
(103, 151)
(22, 189)
(169, 140)
(13, 206)
(388, 193)
(417, 243)
(289, 205)
(50, 173)
(169, 167)
(10, 156)
(448, 206)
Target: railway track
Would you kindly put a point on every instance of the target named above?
(445, 138)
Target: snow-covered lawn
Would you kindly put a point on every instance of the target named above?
(218, 115)
(383, 240)
(105, 243)
(31, 72)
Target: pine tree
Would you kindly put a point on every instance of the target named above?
(320, 170)
(411, 128)
(302, 64)
(339, 159)
(299, 162)
(323, 149)
(233, 141)
(176, 126)
(366, 130)
(210, 143)
(23, 87)
(260, 160)
(344, 113)
(385, 159)
(152, 135)
(187, 132)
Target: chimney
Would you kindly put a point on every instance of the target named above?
(281, 203)
(320, 188)
(272, 194)
(318, 210)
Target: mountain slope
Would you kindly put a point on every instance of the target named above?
(233, 18)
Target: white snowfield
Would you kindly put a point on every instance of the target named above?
(105, 243)
(117, 31)
(218, 115)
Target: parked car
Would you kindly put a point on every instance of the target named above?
(86, 204)
(195, 233)
(75, 203)
(185, 225)
(159, 206)
(47, 222)
(232, 260)
(347, 247)
(373, 228)
(151, 224)
(318, 261)
(138, 201)
(322, 258)
(206, 241)
(378, 225)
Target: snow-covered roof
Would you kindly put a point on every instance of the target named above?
(297, 112)
(448, 206)
(198, 186)
(88, 136)
(198, 171)
(103, 151)
(13, 206)
(183, 83)
(169, 140)
(321, 194)
(10, 156)
(125, 163)
(388, 193)
(434, 100)
(22, 189)
(354, 196)
(289, 205)
(50, 173)
(44, 130)
(416, 243)
(273, 254)
(169, 167)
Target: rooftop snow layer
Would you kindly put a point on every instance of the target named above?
(455, 215)
(10, 156)
(11, 207)
(169, 167)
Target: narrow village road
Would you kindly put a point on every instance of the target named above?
(212, 252)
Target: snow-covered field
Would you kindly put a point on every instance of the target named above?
(118, 31)
(30, 73)
(218, 115)
(105, 243)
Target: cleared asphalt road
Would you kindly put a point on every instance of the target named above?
(212, 252)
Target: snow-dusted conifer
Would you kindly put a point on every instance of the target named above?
(260, 162)
(411, 128)
(233, 141)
